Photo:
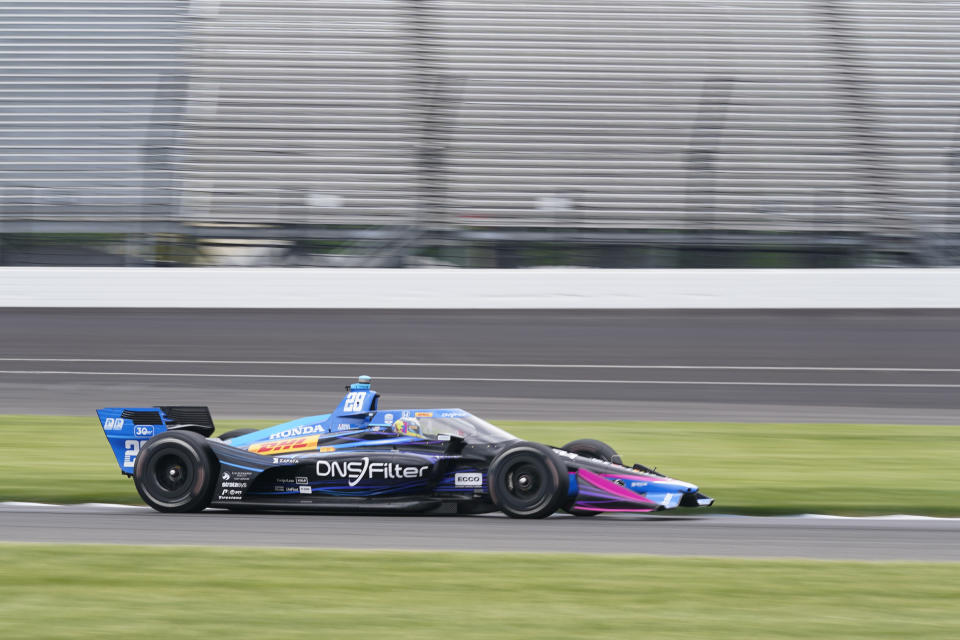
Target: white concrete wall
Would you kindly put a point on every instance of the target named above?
(480, 288)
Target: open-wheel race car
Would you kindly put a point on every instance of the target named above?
(362, 458)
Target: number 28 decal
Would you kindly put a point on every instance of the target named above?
(354, 401)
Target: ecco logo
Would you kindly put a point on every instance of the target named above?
(468, 479)
(356, 470)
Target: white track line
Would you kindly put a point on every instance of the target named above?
(28, 504)
(303, 363)
(111, 505)
(726, 383)
(810, 516)
(898, 516)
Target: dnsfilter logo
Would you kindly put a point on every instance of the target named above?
(355, 471)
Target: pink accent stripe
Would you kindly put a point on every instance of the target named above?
(618, 510)
(615, 489)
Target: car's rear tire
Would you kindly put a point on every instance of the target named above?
(590, 448)
(528, 481)
(176, 471)
(236, 433)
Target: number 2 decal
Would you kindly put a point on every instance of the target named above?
(132, 448)
(354, 401)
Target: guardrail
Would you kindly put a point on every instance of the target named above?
(555, 288)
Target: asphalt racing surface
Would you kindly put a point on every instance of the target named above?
(773, 366)
(854, 366)
(800, 537)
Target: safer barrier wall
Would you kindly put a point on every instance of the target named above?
(480, 288)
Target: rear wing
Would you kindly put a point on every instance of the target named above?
(127, 429)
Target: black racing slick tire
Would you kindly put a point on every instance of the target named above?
(176, 471)
(590, 448)
(528, 480)
(593, 449)
(236, 433)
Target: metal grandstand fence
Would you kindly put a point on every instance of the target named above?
(397, 125)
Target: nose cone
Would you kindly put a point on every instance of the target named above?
(669, 493)
(684, 487)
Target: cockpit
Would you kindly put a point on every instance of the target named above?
(434, 424)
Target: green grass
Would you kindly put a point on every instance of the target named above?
(748, 468)
(154, 592)
(792, 468)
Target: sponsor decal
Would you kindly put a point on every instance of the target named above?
(468, 479)
(143, 431)
(294, 432)
(405, 414)
(637, 485)
(388, 418)
(113, 424)
(354, 401)
(302, 480)
(306, 489)
(284, 460)
(234, 485)
(284, 446)
(326, 449)
(355, 471)
(130, 450)
(423, 414)
(224, 476)
(230, 494)
(565, 454)
(453, 414)
(344, 427)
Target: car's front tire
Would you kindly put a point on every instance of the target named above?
(176, 471)
(527, 480)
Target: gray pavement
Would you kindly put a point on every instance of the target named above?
(862, 366)
(840, 539)
(851, 366)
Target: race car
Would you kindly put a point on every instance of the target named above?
(363, 458)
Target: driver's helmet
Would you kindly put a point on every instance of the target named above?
(408, 427)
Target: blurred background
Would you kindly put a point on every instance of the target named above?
(627, 133)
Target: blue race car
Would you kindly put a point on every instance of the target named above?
(362, 458)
